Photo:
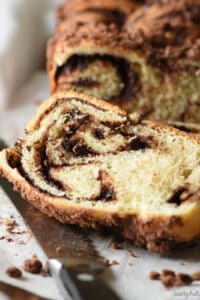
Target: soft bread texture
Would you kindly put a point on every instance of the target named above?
(147, 52)
(85, 161)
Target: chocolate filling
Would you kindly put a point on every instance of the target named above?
(85, 83)
(76, 147)
(107, 192)
(129, 76)
(99, 133)
(179, 195)
(138, 143)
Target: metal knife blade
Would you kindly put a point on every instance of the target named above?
(75, 267)
(16, 293)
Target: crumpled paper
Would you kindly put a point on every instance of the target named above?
(130, 277)
(25, 27)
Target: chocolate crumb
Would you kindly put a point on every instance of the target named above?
(11, 231)
(33, 265)
(114, 263)
(59, 249)
(168, 281)
(153, 275)
(183, 279)
(195, 276)
(14, 272)
(166, 272)
(9, 240)
(130, 264)
(132, 253)
(106, 263)
(21, 242)
(116, 245)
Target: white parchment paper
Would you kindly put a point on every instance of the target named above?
(130, 277)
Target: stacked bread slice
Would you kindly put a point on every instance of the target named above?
(85, 161)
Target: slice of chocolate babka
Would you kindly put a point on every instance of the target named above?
(85, 161)
(145, 58)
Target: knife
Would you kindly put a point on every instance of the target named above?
(76, 267)
(16, 293)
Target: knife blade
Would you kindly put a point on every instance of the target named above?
(17, 293)
(76, 267)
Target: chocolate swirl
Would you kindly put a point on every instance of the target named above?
(74, 143)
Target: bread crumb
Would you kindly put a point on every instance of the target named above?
(33, 265)
(14, 272)
(106, 263)
(182, 279)
(114, 263)
(132, 253)
(170, 279)
(195, 276)
(167, 272)
(59, 249)
(116, 245)
(10, 222)
(153, 275)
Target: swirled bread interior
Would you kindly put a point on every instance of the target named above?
(86, 162)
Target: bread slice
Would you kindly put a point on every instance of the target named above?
(85, 161)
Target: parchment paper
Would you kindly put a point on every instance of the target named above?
(130, 277)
